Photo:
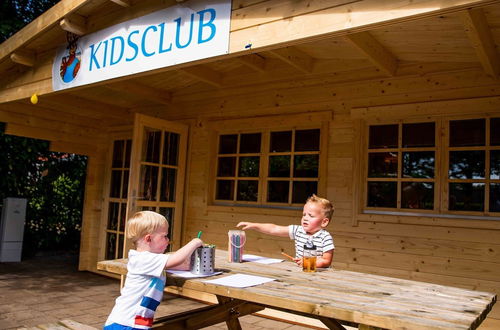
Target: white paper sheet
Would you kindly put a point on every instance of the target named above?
(188, 274)
(240, 280)
(260, 259)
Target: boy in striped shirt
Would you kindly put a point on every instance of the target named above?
(316, 216)
(143, 290)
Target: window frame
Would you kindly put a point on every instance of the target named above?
(267, 125)
(441, 175)
(107, 199)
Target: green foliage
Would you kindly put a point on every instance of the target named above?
(54, 185)
(15, 14)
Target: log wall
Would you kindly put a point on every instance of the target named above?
(452, 251)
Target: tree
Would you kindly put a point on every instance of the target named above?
(53, 183)
(15, 14)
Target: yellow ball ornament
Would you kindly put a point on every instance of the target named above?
(34, 99)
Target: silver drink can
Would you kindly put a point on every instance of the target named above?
(203, 260)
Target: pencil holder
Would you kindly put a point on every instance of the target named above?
(236, 241)
(203, 260)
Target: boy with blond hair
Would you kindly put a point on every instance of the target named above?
(316, 216)
(143, 289)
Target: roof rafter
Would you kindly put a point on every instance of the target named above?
(23, 57)
(205, 74)
(123, 3)
(376, 52)
(75, 24)
(253, 61)
(296, 58)
(480, 36)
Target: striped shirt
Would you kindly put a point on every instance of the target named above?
(321, 239)
(143, 290)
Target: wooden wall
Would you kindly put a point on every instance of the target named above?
(451, 251)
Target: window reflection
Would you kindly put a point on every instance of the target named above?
(307, 140)
(418, 164)
(171, 148)
(382, 164)
(152, 139)
(249, 167)
(113, 214)
(281, 141)
(302, 190)
(382, 194)
(279, 166)
(247, 190)
(250, 143)
(149, 175)
(419, 135)
(466, 133)
(495, 197)
(167, 187)
(383, 136)
(110, 246)
(118, 152)
(306, 166)
(495, 131)
(228, 144)
(495, 164)
(466, 164)
(227, 166)
(417, 195)
(466, 197)
(278, 191)
(224, 190)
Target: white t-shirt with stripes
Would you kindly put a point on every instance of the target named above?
(321, 239)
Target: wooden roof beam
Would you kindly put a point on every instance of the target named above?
(480, 36)
(296, 58)
(23, 57)
(151, 93)
(377, 54)
(204, 74)
(75, 24)
(254, 61)
(123, 3)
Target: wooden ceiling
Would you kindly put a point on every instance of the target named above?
(458, 40)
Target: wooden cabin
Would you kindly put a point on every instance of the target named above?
(390, 109)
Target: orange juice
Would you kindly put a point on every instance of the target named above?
(309, 264)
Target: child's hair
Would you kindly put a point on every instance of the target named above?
(143, 223)
(325, 203)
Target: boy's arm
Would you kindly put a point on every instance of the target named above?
(266, 228)
(325, 260)
(183, 254)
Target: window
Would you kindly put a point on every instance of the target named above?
(474, 165)
(117, 199)
(273, 167)
(401, 166)
(404, 162)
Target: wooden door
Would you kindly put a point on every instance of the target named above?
(157, 172)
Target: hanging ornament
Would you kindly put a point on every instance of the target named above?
(34, 98)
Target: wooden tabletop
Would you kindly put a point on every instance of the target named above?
(346, 296)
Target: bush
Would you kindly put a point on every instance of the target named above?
(53, 183)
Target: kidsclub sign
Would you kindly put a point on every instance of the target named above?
(186, 32)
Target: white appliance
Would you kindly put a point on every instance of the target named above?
(12, 229)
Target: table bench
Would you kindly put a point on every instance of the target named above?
(336, 297)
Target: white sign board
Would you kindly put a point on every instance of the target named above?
(186, 32)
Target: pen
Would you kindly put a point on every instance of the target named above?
(288, 256)
(199, 234)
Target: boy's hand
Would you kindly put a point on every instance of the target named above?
(298, 261)
(197, 242)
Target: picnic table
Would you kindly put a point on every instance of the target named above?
(336, 297)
